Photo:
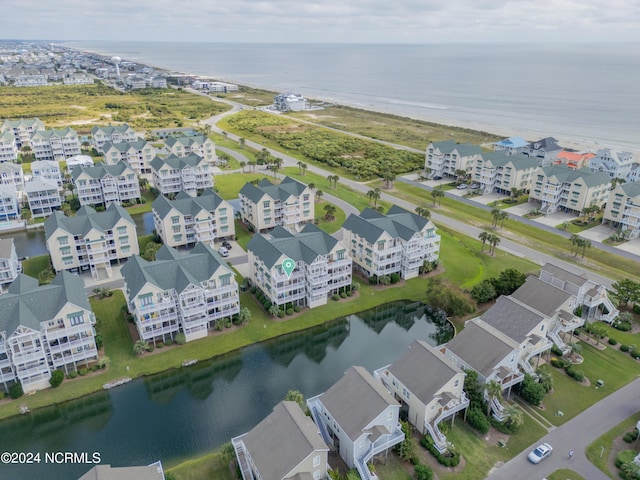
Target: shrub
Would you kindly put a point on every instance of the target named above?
(280, 313)
(99, 341)
(556, 351)
(343, 295)
(95, 367)
(168, 342)
(15, 391)
(625, 456)
(558, 362)
(624, 348)
(82, 372)
(448, 459)
(150, 348)
(289, 311)
(635, 353)
(531, 391)
(349, 293)
(477, 420)
(159, 344)
(423, 472)
(631, 436)
(612, 341)
(296, 308)
(415, 460)
(636, 309)
(253, 290)
(335, 297)
(180, 338)
(73, 374)
(56, 378)
(575, 373)
(394, 278)
(622, 326)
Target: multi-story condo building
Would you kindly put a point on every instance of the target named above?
(43, 197)
(186, 293)
(623, 209)
(546, 149)
(398, 242)
(289, 204)
(290, 102)
(573, 159)
(55, 145)
(447, 157)
(91, 240)
(11, 175)
(499, 172)
(106, 184)
(10, 265)
(113, 134)
(614, 164)
(173, 174)
(137, 155)
(31, 81)
(188, 220)
(559, 187)
(8, 203)
(22, 129)
(284, 446)
(322, 266)
(8, 147)
(512, 146)
(44, 328)
(47, 170)
(184, 146)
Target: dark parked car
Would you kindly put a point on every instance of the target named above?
(226, 245)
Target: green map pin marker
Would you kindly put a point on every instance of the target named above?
(288, 266)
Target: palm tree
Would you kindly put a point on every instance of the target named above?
(370, 195)
(494, 392)
(243, 164)
(304, 168)
(277, 163)
(330, 212)
(143, 183)
(207, 129)
(502, 217)
(225, 135)
(336, 178)
(252, 164)
(273, 310)
(516, 192)
(140, 347)
(617, 181)
(495, 213)
(330, 179)
(389, 177)
(437, 194)
(494, 241)
(377, 193)
(319, 194)
(545, 378)
(574, 241)
(312, 187)
(484, 237)
(423, 212)
(241, 141)
(300, 167)
(584, 244)
(513, 416)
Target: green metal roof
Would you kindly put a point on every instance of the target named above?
(187, 205)
(568, 175)
(398, 223)
(177, 163)
(86, 219)
(101, 170)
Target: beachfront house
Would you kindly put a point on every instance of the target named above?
(22, 129)
(44, 328)
(11, 175)
(8, 148)
(43, 197)
(180, 292)
(615, 164)
(137, 155)
(429, 387)
(55, 145)
(623, 209)
(512, 146)
(399, 242)
(500, 172)
(112, 134)
(290, 102)
(489, 352)
(573, 159)
(322, 266)
(8, 203)
(546, 149)
(106, 184)
(188, 220)
(10, 266)
(593, 302)
(183, 146)
(446, 158)
(91, 240)
(286, 445)
(289, 204)
(359, 417)
(47, 170)
(559, 187)
(191, 174)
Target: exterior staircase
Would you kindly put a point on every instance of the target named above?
(555, 338)
(241, 455)
(314, 408)
(497, 410)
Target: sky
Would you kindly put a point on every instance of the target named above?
(324, 21)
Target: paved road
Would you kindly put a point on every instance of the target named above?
(575, 435)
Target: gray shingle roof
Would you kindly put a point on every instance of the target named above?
(512, 318)
(356, 400)
(107, 472)
(519, 161)
(6, 247)
(125, 146)
(565, 275)
(281, 441)
(187, 205)
(548, 144)
(10, 167)
(287, 187)
(47, 134)
(306, 246)
(86, 219)
(568, 175)
(101, 170)
(398, 222)
(631, 189)
(173, 270)
(481, 346)
(541, 296)
(186, 141)
(177, 163)
(423, 370)
(28, 304)
(39, 185)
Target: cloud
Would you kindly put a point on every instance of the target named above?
(323, 21)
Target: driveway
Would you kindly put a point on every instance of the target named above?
(521, 210)
(632, 246)
(599, 233)
(555, 219)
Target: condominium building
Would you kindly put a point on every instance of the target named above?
(290, 204)
(44, 328)
(398, 242)
(500, 172)
(113, 134)
(137, 155)
(615, 164)
(11, 175)
(186, 293)
(47, 170)
(10, 266)
(106, 184)
(91, 240)
(560, 187)
(446, 158)
(623, 209)
(8, 203)
(188, 220)
(290, 102)
(22, 129)
(173, 174)
(31, 81)
(55, 145)
(184, 146)
(322, 266)
(43, 197)
(8, 147)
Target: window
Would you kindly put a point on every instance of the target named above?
(316, 461)
(146, 299)
(175, 220)
(63, 240)
(456, 383)
(266, 204)
(225, 280)
(122, 230)
(340, 254)
(124, 240)
(65, 251)
(406, 393)
(76, 318)
(316, 473)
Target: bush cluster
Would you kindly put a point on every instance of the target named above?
(612, 341)
(478, 420)
(575, 373)
(448, 459)
(631, 436)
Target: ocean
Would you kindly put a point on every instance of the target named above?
(580, 92)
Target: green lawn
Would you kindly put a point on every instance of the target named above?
(35, 265)
(142, 207)
(594, 450)
(329, 226)
(201, 468)
(242, 234)
(625, 338)
(229, 185)
(565, 474)
(392, 469)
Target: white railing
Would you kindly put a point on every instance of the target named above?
(314, 407)
(555, 338)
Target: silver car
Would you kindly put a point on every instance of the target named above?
(539, 453)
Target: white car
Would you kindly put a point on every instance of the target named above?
(462, 186)
(223, 252)
(539, 453)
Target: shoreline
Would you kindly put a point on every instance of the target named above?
(569, 142)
